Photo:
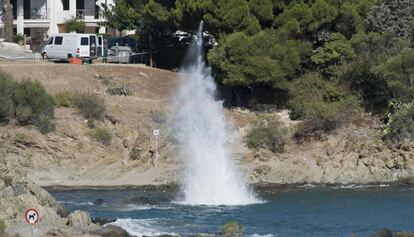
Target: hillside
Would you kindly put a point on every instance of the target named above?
(70, 156)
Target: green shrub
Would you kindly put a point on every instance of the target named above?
(7, 87)
(2, 226)
(121, 89)
(33, 106)
(400, 125)
(232, 229)
(311, 93)
(91, 123)
(74, 25)
(135, 153)
(103, 135)
(64, 99)
(158, 117)
(267, 132)
(90, 105)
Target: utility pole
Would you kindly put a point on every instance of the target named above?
(150, 49)
(8, 21)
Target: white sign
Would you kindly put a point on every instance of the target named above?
(156, 132)
(32, 216)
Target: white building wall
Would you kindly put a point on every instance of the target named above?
(55, 15)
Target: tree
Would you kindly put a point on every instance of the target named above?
(8, 21)
(265, 58)
(398, 72)
(394, 17)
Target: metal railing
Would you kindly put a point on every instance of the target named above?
(37, 14)
(88, 12)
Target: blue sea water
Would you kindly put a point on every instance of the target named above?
(293, 212)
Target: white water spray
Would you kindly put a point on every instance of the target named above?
(210, 176)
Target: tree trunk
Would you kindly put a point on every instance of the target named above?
(8, 21)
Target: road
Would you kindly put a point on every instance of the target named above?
(13, 52)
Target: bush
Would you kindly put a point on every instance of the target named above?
(232, 229)
(267, 132)
(7, 87)
(26, 103)
(90, 105)
(119, 90)
(103, 135)
(311, 93)
(74, 25)
(135, 153)
(2, 226)
(158, 117)
(64, 99)
(400, 125)
(91, 123)
(33, 106)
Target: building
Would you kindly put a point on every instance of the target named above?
(39, 18)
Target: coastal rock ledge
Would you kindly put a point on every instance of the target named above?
(18, 193)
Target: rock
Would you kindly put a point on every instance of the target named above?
(112, 231)
(164, 235)
(17, 194)
(99, 201)
(383, 233)
(261, 170)
(102, 221)
(262, 155)
(79, 219)
(404, 234)
(141, 201)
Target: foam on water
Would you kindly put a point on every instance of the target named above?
(210, 176)
(140, 227)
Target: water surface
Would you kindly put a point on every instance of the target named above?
(290, 212)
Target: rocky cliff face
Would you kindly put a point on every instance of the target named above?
(354, 154)
(18, 193)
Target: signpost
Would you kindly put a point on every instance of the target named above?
(156, 133)
(32, 217)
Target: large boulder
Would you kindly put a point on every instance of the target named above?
(140, 200)
(80, 219)
(111, 231)
(404, 234)
(383, 233)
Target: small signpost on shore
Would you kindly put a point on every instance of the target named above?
(32, 217)
(156, 133)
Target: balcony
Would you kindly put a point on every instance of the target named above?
(88, 13)
(37, 14)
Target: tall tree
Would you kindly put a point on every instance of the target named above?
(8, 21)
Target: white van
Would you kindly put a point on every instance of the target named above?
(65, 46)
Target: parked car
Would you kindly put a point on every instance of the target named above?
(123, 41)
(120, 54)
(64, 46)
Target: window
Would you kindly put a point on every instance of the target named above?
(84, 41)
(99, 41)
(50, 41)
(65, 5)
(58, 40)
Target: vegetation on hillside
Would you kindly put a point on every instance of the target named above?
(25, 103)
(323, 57)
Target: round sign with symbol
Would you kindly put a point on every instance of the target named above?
(32, 216)
(156, 132)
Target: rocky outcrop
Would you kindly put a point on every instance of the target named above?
(352, 155)
(18, 193)
(111, 231)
